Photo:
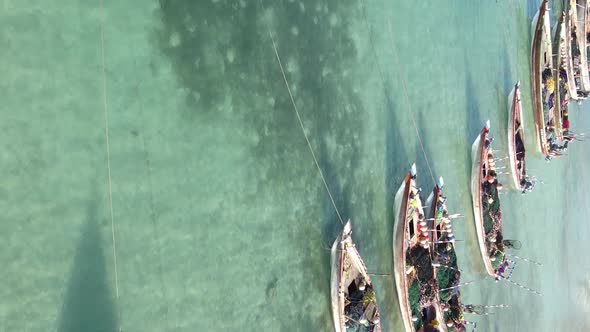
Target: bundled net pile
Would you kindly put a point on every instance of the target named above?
(414, 299)
(423, 286)
(447, 277)
(419, 258)
(455, 313)
(492, 222)
(357, 308)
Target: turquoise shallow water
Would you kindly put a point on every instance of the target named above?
(221, 219)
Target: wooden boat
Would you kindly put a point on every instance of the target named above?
(562, 75)
(516, 147)
(577, 63)
(353, 297)
(415, 277)
(579, 10)
(433, 220)
(583, 25)
(486, 202)
(543, 82)
(443, 249)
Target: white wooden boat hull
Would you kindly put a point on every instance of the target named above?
(560, 63)
(581, 26)
(341, 247)
(476, 180)
(399, 254)
(540, 57)
(568, 49)
(514, 112)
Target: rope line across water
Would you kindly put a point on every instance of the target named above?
(108, 150)
(408, 102)
(315, 160)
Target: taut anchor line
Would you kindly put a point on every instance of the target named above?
(274, 46)
(108, 151)
(409, 105)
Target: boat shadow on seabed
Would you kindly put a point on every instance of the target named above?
(88, 301)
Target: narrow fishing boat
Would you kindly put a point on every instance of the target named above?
(584, 28)
(354, 304)
(562, 75)
(486, 202)
(543, 82)
(516, 148)
(581, 10)
(415, 276)
(575, 37)
(448, 274)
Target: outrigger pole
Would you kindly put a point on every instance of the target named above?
(525, 259)
(440, 230)
(446, 267)
(511, 269)
(457, 286)
(523, 287)
(449, 241)
(380, 274)
(452, 216)
(473, 309)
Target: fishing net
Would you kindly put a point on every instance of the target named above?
(419, 257)
(454, 314)
(414, 299)
(490, 209)
(447, 277)
(360, 328)
(492, 220)
(422, 289)
(352, 326)
(360, 304)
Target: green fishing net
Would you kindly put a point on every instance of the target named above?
(419, 257)
(491, 217)
(414, 299)
(447, 277)
(494, 207)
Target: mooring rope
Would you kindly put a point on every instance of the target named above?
(408, 102)
(108, 150)
(274, 46)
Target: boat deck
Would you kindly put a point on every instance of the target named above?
(349, 274)
(516, 139)
(543, 84)
(477, 176)
(562, 75)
